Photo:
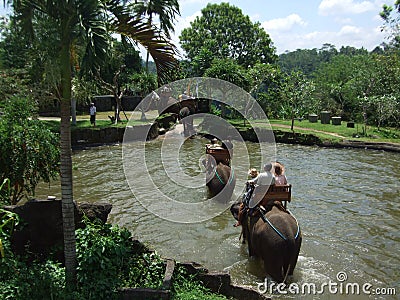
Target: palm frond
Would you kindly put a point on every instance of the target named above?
(160, 48)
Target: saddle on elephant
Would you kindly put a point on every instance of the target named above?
(282, 193)
(221, 155)
(265, 197)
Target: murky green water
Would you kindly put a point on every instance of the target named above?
(347, 203)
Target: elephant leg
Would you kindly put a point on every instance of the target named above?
(295, 255)
(274, 268)
(185, 129)
(190, 125)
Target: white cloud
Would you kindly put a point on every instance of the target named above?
(347, 36)
(336, 7)
(284, 24)
(340, 20)
(349, 31)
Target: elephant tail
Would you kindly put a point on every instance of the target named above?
(286, 273)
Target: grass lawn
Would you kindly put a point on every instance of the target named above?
(333, 133)
(102, 121)
(328, 131)
(373, 134)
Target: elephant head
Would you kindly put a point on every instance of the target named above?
(274, 236)
(221, 181)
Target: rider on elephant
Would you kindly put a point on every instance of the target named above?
(256, 189)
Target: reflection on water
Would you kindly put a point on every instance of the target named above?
(347, 203)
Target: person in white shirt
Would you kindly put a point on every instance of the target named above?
(263, 181)
(92, 112)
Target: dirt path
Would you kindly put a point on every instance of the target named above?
(309, 129)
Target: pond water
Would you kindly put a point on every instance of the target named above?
(346, 201)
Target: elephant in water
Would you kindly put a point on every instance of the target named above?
(187, 120)
(221, 181)
(167, 103)
(274, 236)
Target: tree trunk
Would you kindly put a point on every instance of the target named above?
(67, 202)
(292, 125)
(147, 61)
(73, 111)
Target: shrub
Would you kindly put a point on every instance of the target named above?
(187, 287)
(28, 151)
(19, 280)
(108, 260)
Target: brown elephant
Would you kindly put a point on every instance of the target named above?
(187, 120)
(274, 235)
(167, 103)
(188, 108)
(218, 177)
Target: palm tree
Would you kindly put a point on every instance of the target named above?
(89, 23)
(166, 11)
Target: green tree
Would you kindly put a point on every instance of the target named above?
(142, 84)
(296, 96)
(309, 60)
(341, 81)
(304, 60)
(200, 63)
(113, 77)
(87, 23)
(226, 33)
(391, 17)
(29, 151)
(265, 84)
(229, 70)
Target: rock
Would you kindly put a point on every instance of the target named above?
(41, 232)
(220, 282)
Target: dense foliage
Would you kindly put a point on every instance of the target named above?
(309, 60)
(108, 259)
(29, 152)
(222, 31)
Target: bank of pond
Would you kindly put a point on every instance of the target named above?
(83, 137)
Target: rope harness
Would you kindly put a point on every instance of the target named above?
(220, 178)
(263, 212)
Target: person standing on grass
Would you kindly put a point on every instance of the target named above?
(92, 111)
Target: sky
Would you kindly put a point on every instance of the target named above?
(302, 24)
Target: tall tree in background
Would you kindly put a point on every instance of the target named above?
(166, 10)
(227, 33)
(296, 96)
(85, 22)
(392, 22)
